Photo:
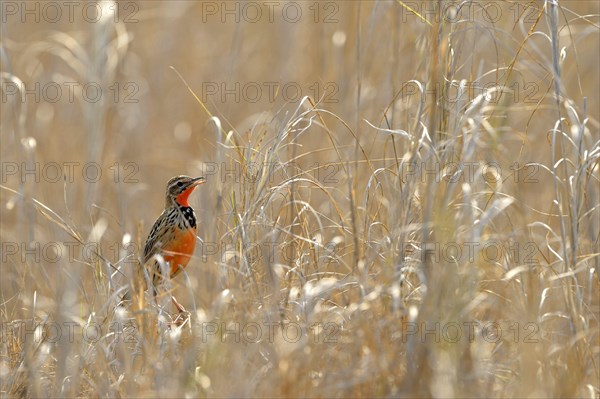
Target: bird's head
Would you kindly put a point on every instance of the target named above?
(179, 189)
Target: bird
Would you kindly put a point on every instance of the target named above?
(173, 235)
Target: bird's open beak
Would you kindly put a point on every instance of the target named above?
(198, 180)
(182, 199)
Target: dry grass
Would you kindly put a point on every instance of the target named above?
(327, 264)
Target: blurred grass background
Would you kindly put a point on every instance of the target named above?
(311, 214)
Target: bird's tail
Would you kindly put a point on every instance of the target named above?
(126, 297)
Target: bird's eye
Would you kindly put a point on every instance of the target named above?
(179, 183)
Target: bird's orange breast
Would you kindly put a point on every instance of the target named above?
(179, 250)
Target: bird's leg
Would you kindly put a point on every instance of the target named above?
(183, 317)
(177, 304)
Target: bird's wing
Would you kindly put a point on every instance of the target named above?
(153, 242)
